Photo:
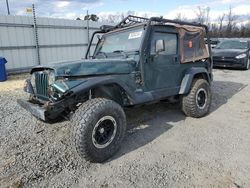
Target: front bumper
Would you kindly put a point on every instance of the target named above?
(42, 112)
(229, 62)
(34, 109)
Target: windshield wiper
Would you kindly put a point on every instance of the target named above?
(122, 52)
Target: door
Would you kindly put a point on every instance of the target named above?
(161, 70)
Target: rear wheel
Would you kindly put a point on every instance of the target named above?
(98, 128)
(197, 103)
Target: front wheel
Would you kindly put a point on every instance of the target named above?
(247, 65)
(98, 128)
(197, 103)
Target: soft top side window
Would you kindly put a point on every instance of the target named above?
(170, 40)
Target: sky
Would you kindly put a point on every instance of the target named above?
(71, 9)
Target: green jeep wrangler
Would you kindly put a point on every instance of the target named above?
(136, 62)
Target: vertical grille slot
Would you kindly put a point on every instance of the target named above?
(41, 80)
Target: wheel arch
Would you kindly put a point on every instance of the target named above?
(105, 87)
(112, 91)
(190, 75)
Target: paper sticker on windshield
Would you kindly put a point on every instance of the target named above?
(135, 35)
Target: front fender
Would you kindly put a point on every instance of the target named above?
(100, 81)
(189, 76)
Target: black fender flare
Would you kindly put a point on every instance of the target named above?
(189, 76)
(94, 82)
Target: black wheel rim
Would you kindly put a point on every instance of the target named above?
(201, 98)
(104, 132)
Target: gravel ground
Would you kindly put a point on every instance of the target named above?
(162, 147)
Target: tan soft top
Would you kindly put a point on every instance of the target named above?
(192, 43)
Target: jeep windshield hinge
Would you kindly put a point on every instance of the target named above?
(138, 78)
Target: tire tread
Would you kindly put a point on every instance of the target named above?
(188, 102)
(79, 122)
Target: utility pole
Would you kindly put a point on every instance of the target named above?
(36, 35)
(8, 8)
(88, 24)
(88, 28)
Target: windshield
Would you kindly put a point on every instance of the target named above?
(120, 42)
(232, 44)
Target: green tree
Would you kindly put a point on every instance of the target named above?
(91, 17)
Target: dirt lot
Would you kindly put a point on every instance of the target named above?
(162, 148)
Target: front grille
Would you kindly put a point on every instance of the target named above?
(215, 58)
(223, 62)
(227, 64)
(42, 83)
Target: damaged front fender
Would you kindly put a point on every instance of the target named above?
(28, 87)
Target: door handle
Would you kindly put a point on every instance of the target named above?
(175, 59)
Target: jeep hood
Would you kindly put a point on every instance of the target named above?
(90, 67)
(228, 52)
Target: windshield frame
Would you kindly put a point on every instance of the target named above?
(240, 41)
(134, 27)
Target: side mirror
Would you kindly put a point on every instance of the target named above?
(159, 46)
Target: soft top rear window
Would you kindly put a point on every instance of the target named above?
(192, 43)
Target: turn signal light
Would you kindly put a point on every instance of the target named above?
(190, 44)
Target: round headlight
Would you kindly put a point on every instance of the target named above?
(51, 77)
(33, 80)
